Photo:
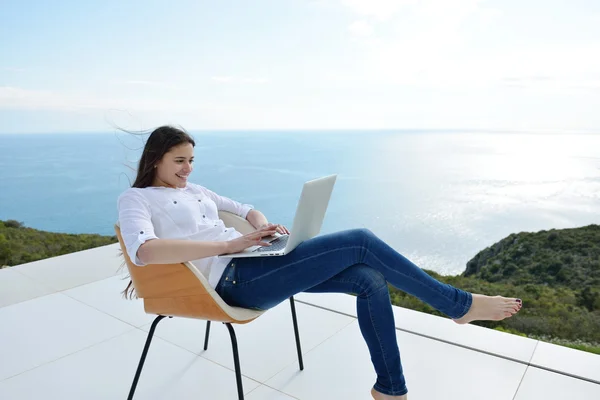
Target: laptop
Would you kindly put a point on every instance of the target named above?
(308, 220)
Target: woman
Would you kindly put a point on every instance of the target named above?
(166, 219)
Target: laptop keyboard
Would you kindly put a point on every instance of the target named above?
(276, 245)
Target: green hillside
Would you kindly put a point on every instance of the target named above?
(557, 275)
(559, 258)
(20, 245)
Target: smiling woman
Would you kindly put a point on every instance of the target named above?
(164, 219)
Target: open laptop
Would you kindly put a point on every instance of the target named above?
(307, 221)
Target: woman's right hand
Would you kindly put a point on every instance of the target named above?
(249, 240)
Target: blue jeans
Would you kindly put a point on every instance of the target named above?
(353, 261)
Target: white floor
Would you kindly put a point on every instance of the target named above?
(66, 333)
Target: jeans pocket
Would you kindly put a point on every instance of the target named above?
(236, 296)
(227, 277)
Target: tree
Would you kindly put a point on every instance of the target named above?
(589, 298)
(4, 251)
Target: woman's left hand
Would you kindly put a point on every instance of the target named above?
(279, 228)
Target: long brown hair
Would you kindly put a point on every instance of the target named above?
(160, 141)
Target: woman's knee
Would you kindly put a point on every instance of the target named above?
(361, 234)
(368, 280)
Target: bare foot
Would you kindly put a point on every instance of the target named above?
(486, 308)
(380, 396)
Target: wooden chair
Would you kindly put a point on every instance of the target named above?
(180, 290)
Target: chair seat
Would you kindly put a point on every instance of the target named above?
(181, 290)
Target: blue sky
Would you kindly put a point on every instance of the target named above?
(300, 64)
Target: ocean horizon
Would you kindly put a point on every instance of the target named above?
(438, 197)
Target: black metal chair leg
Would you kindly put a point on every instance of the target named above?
(141, 363)
(292, 305)
(236, 361)
(206, 336)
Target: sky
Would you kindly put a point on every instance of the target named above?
(79, 66)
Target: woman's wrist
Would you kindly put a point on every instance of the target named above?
(224, 247)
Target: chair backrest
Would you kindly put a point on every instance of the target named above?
(181, 290)
(236, 222)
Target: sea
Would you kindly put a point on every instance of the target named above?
(437, 197)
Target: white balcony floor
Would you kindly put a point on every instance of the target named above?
(66, 333)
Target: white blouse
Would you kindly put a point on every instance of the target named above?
(189, 213)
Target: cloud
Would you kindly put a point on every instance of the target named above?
(380, 9)
(239, 80)
(150, 83)
(425, 44)
(254, 80)
(403, 63)
(430, 43)
(150, 107)
(426, 31)
(361, 28)
(16, 98)
(13, 69)
(223, 79)
(550, 83)
(555, 67)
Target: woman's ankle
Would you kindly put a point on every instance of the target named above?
(380, 396)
